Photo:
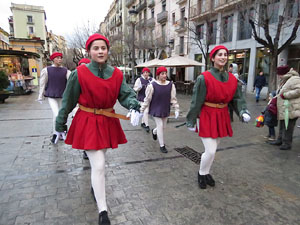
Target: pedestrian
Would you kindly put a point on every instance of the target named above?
(233, 68)
(96, 127)
(81, 61)
(53, 80)
(160, 95)
(288, 106)
(270, 116)
(213, 91)
(259, 83)
(140, 87)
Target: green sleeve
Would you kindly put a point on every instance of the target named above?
(239, 103)
(69, 101)
(198, 98)
(127, 96)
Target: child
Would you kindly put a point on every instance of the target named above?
(270, 114)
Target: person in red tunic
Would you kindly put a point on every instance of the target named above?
(213, 91)
(97, 86)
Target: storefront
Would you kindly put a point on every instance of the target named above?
(263, 62)
(294, 57)
(241, 57)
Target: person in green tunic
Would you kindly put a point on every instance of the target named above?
(95, 127)
(213, 91)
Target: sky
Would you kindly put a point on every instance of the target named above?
(63, 16)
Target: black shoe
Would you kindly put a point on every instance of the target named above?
(93, 194)
(285, 147)
(147, 129)
(103, 218)
(154, 135)
(209, 180)
(277, 142)
(143, 125)
(257, 100)
(202, 181)
(163, 149)
(84, 156)
(53, 138)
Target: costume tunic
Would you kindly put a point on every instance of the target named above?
(205, 90)
(95, 87)
(215, 122)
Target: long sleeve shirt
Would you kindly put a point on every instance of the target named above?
(126, 97)
(199, 93)
(149, 93)
(44, 81)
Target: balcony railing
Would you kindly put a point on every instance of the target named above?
(162, 17)
(119, 21)
(151, 22)
(141, 6)
(161, 41)
(181, 25)
(128, 3)
(151, 3)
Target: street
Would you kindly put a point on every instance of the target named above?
(42, 183)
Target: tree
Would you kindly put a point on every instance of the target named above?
(77, 40)
(271, 19)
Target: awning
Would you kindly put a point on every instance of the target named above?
(179, 61)
(19, 53)
(150, 63)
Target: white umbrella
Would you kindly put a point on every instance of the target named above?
(179, 61)
(150, 63)
(124, 68)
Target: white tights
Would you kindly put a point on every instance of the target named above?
(55, 105)
(145, 118)
(161, 124)
(207, 158)
(97, 161)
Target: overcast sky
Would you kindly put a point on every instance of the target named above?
(62, 15)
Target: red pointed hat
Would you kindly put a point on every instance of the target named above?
(215, 49)
(55, 54)
(84, 60)
(161, 69)
(95, 37)
(146, 70)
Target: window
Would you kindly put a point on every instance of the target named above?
(273, 10)
(214, 3)
(200, 31)
(29, 19)
(293, 8)
(202, 6)
(173, 18)
(227, 28)
(181, 46)
(164, 5)
(152, 13)
(213, 32)
(245, 29)
(31, 30)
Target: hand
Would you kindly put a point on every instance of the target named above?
(176, 114)
(246, 117)
(134, 117)
(59, 135)
(193, 129)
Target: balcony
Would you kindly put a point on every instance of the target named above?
(119, 21)
(141, 25)
(180, 2)
(162, 17)
(128, 3)
(151, 22)
(151, 3)
(161, 42)
(181, 25)
(141, 6)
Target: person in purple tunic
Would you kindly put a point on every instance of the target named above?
(53, 81)
(140, 87)
(159, 94)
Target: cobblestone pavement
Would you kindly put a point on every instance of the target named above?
(41, 183)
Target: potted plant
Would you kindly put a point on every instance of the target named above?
(4, 82)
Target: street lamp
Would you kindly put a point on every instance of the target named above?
(133, 14)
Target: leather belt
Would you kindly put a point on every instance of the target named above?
(105, 112)
(216, 105)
